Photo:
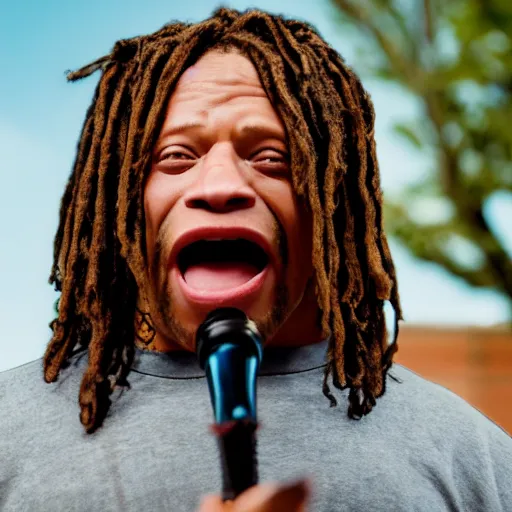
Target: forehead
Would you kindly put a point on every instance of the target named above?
(221, 87)
(220, 69)
(218, 78)
(226, 65)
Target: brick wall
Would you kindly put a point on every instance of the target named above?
(475, 363)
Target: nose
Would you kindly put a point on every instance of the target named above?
(221, 186)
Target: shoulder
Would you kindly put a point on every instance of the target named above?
(19, 389)
(28, 403)
(433, 401)
(20, 380)
(22, 390)
(27, 380)
(450, 441)
(437, 418)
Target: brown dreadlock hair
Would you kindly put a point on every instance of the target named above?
(99, 249)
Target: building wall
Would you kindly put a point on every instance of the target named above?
(475, 363)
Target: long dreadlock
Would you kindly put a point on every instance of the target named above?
(99, 249)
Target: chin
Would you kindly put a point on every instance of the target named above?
(269, 313)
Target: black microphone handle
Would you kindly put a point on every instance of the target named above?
(238, 456)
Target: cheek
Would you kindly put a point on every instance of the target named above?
(159, 197)
(299, 231)
(150, 224)
(281, 198)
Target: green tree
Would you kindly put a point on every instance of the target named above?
(455, 58)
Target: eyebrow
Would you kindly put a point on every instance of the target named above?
(180, 128)
(262, 130)
(246, 131)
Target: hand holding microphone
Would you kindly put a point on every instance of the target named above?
(269, 497)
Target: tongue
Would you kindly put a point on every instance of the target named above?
(220, 275)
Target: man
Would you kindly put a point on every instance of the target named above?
(232, 163)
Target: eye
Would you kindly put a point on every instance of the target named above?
(176, 154)
(175, 159)
(271, 159)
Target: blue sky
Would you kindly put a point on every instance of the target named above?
(41, 116)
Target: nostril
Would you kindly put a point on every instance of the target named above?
(200, 204)
(212, 204)
(238, 202)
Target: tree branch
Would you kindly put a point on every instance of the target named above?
(403, 66)
(427, 12)
(469, 209)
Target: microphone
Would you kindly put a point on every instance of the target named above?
(229, 348)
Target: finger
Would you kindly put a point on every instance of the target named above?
(272, 496)
(213, 503)
(292, 497)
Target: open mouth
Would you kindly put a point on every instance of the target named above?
(221, 264)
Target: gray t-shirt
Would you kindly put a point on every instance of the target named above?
(422, 448)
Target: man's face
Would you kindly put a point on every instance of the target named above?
(223, 226)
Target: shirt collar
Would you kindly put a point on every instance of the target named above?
(276, 361)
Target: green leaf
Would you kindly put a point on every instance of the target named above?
(410, 133)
